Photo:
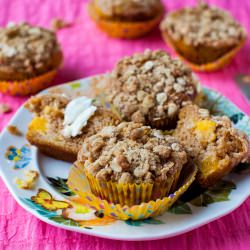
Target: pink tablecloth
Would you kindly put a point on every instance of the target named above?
(88, 51)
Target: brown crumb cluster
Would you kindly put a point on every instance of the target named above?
(203, 25)
(14, 130)
(129, 9)
(150, 88)
(212, 142)
(27, 49)
(131, 153)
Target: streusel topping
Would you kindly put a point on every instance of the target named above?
(26, 49)
(131, 153)
(203, 25)
(151, 87)
(129, 8)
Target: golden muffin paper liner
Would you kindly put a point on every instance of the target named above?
(207, 67)
(28, 86)
(78, 182)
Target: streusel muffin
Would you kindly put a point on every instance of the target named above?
(150, 88)
(126, 18)
(29, 58)
(130, 163)
(211, 142)
(46, 130)
(202, 34)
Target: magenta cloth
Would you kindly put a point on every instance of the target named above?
(88, 51)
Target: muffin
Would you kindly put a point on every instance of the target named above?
(129, 164)
(126, 18)
(211, 142)
(207, 37)
(150, 88)
(29, 58)
(47, 128)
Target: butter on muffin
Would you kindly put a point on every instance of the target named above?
(126, 18)
(26, 54)
(59, 135)
(202, 34)
(213, 144)
(130, 163)
(150, 88)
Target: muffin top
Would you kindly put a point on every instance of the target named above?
(28, 50)
(131, 153)
(151, 87)
(129, 9)
(203, 25)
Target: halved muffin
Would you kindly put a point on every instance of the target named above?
(151, 87)
(126, 18)
(129, 164)
(46, 130)
(213, 144)
(203, 34)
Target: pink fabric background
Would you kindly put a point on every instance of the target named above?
(87, 52)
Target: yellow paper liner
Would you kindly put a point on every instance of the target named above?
(208, 67)
(126, 29)
(28, 86)
(77, 181)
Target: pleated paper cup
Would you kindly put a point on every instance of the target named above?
(28, 86)
(217, 64)
(79, 183)
(126, 29)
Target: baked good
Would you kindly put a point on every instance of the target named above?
(46, 130)
(126, 18)
(211, 142)
(203, 34)
(27, 53)
(130, 163)
(151, 87)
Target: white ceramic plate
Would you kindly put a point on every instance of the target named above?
(189, 213)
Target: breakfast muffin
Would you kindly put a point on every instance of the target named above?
(47, 129)
(203, 35)
(126, 18)
(29, 58)
(150, 88)
(211, 142)
(130, 163)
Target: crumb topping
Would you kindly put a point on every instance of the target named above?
(27, 49)
(151, 87)
(131, 153)
(203, 25)
(135, 9)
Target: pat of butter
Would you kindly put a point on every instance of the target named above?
(76, 116)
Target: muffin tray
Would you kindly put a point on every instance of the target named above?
(54, 203)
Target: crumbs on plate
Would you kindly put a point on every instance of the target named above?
(31, 177)
(14, 130)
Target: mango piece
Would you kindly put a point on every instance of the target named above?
(38, 124)
(205, 129)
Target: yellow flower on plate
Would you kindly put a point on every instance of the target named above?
(46, 200)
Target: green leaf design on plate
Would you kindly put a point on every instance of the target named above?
(75, 85)
(60, 184)
(138, 223)
(236, 117)
(242, 168)
(217, 193)
(67, 222)
(180, 207)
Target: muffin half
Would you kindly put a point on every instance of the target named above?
(126, 18)
(130, 163)
(203, 35)
(151, 87)
(211, 142)
(47, 129)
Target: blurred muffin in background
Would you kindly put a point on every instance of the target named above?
(29, 58)
(126, 18)
(203, 35)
